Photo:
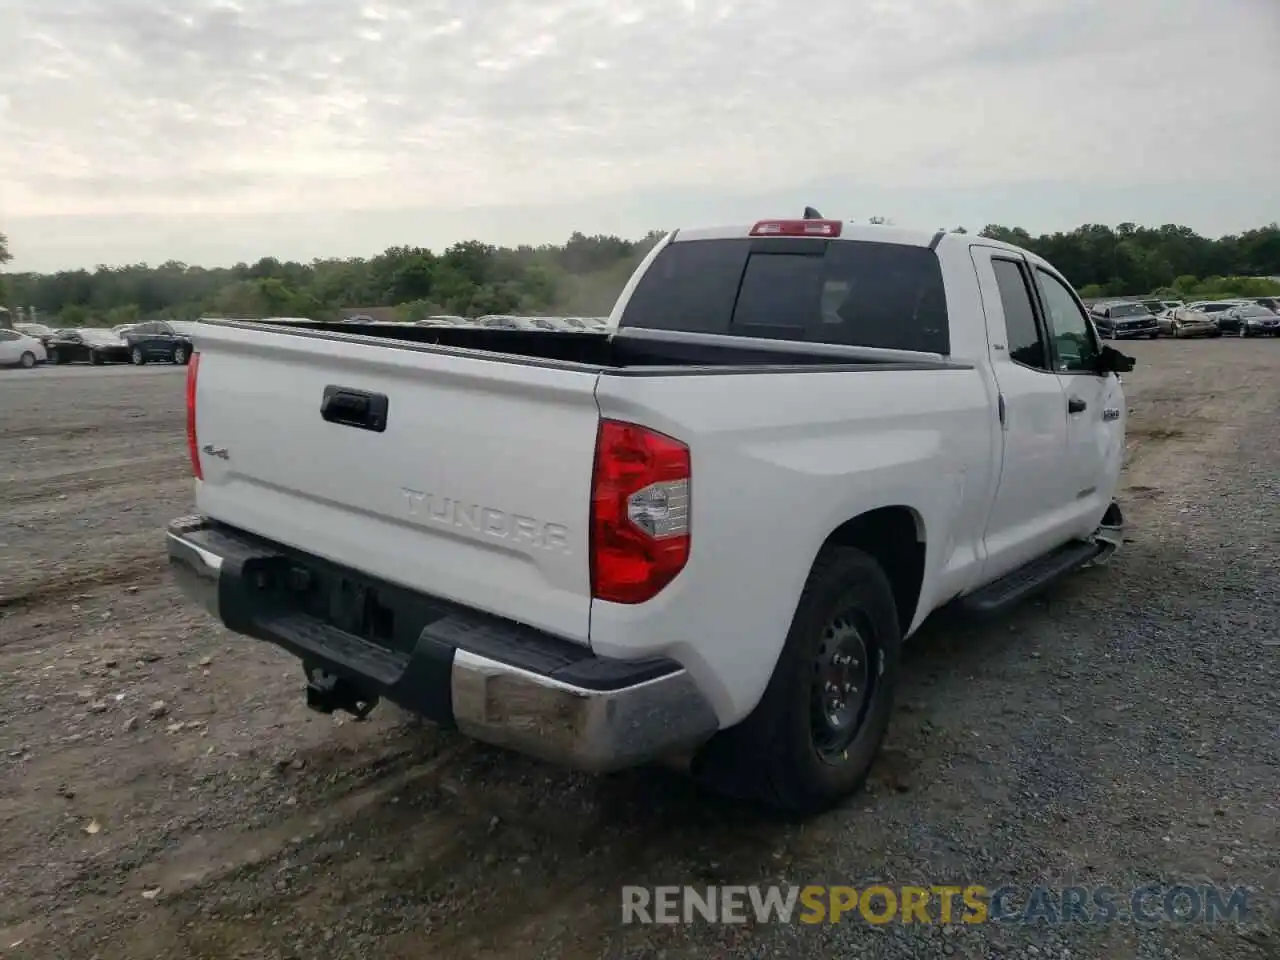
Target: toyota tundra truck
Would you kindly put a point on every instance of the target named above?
(702, 535)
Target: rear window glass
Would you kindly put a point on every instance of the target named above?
(840, 292)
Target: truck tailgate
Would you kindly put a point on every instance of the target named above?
(475, 490)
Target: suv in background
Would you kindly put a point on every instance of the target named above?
(1119, 320)
(156, 340)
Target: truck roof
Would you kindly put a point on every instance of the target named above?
(848, 231)
(865, 232)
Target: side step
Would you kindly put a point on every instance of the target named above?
(1015, 587)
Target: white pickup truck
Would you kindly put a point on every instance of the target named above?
(703, 534)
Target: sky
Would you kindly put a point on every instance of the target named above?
(216, 131)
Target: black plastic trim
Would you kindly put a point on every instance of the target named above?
(412, 664)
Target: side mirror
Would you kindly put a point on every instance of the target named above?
(1111, 360)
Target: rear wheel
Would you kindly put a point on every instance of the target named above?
(137, 356)
(28, 360)
(95, 358)
(812, 738)
(55, 357)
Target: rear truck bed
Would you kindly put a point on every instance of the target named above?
(437, 523)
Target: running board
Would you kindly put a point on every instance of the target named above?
(1031, 578)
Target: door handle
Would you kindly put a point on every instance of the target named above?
(354, 408)
(1076, 405)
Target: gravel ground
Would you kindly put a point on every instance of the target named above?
(164, 792)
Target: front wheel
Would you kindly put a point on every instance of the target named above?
(28, 360)
(1243, 331)
(95, 358)
(54, 357)
(137, 356)
(179, 355)
(811, 740)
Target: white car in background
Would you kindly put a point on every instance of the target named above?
(19, 350)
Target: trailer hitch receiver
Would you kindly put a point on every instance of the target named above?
(327, 692)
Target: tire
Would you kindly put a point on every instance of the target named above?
(180, 355)
(54, 357)
(28, 360)
(137, 356)
(95, 358)
(785, 754)
(1244, 331)
(1154, 336)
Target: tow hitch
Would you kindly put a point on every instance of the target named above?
(327, 693)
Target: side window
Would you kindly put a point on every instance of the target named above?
(165, 330)
(1073, 341)
(8, 335)
(1026, 344)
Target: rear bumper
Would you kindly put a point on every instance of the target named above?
(494, 680)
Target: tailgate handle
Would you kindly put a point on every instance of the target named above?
(354, 408)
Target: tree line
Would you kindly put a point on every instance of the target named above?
(583, 276)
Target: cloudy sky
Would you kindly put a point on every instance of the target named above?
(220, 130)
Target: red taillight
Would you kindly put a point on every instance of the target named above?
(193, 372)
(796, 228)
(639, 512)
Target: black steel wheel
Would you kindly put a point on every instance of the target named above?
(815, 732)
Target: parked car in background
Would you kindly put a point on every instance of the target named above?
(18, 349)
(1122, 319)
(441, 320)
(543, 323)
(1271, 303)
(1158, 307)
(499, 321)
(1187, 322)
(1212, 309)
(38, 330)
(88, 345)
(156, 340)
(1249, 320)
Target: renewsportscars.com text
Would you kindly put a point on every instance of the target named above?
(942, 904)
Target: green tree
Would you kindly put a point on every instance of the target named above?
(73, 315)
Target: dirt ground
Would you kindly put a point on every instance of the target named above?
(164, 791)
